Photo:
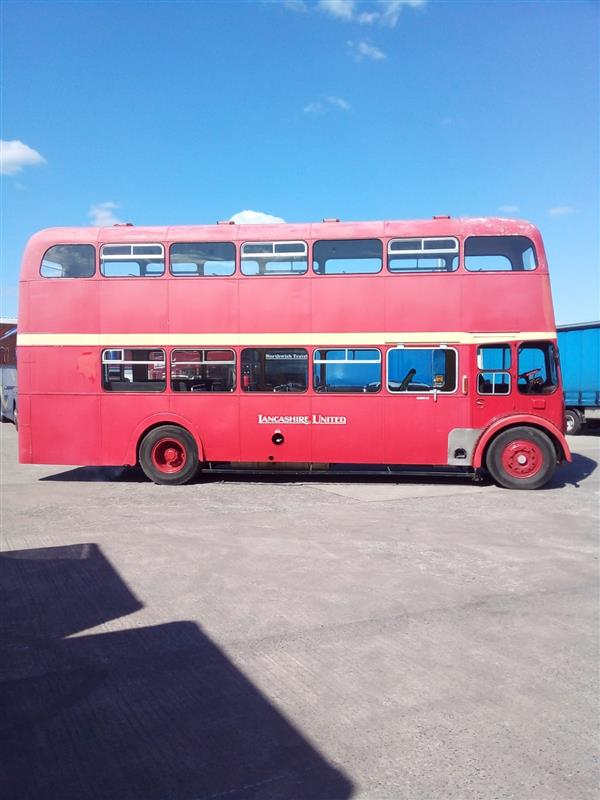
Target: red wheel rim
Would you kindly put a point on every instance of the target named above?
(169, 455)
(522, 459)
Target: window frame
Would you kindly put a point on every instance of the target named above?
(233, 362)
(326, 274)
(511, 271)
(74, 277)
(314, 361)
(132, 255)
(112, 362)
(230, 275)
(267, 392)
(422, 252)
(423, 391)
(494, 372)
(482, 371)
(550, 363)
(307, 253)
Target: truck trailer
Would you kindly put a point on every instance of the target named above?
(579, 347)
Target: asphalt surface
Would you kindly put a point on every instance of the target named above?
(315, 639)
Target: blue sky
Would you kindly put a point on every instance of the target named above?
(189, 112)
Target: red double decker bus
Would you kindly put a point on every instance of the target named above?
(422, 345)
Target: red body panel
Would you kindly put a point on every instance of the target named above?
(66, 417)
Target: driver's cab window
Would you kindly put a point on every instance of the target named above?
(493, 369)
(537, 368)
(269, 370)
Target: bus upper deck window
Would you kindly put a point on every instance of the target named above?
(274, 258)
(434, 254)
(347, 256)
(202, 259)
(69, 261)
(499, 254)
(132, 260)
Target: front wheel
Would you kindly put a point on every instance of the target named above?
(168, 455)
(573, 421)
(521, 458)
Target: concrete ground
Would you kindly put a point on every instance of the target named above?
(313, 639)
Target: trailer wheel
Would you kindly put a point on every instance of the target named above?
(168, 455)
(573, 421)
(521, 458)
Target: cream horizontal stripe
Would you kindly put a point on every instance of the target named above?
(265, 339)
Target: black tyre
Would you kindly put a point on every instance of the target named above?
(168, 455)
(521, 458)
(573, 421)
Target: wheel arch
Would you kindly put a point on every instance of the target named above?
(155, 421)
(556, 436)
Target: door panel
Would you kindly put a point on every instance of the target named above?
(429, 399)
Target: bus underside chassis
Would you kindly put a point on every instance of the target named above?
(518, 458)
(521, 458)
(168, 455)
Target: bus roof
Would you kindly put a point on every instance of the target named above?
(444, 226)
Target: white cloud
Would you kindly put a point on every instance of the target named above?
(508, 209)
(248, 217)
(561, 211)
(319, 107)
(385, 12)
(313, 108)
(342, 9)
(296, 5)
(15, 155)
(391, 9)
(339, 102)
(101, 215)
(368, 18)
(362, 50)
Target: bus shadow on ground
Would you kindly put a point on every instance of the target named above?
(567, 474)
(572, 474)
(136, 475)
(154, 713)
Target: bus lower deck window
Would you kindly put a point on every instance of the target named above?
(274, 370)
(128, 370)
(421, 369)
(347, 370)
(203, 370)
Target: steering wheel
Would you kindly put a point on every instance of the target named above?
(407, 379)
(532, 381)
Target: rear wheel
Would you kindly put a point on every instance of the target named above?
(521, 458)
(168, 455)
(573, 421)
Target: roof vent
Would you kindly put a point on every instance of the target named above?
(123, 225)
(225, 222)
(442, 216)
(331, 219)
